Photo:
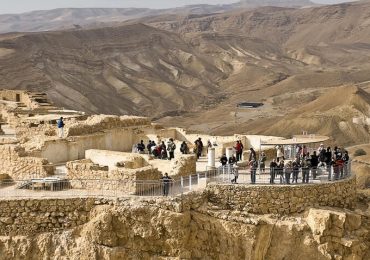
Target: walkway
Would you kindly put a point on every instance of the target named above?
(155, 188)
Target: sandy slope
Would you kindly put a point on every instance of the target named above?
(192, 71)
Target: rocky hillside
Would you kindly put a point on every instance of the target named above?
(333, 35)
(70, 18)
(133, 69)
(331, 114)
(192, 70)
(134, 229)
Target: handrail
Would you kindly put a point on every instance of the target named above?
(172, 187)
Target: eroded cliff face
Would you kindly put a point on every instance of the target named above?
(187, 228)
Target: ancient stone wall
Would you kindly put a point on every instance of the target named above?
(27, 216)
(184, 165)
(111, 158)
(73, 148)
(98, 123)
(31, 216)
(25, 131)
(86, 175)
(25, 97)
(279, 199)
(16, 163)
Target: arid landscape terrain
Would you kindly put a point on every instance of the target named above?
(193, 70)
(82, 189)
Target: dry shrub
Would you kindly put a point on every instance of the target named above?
(360, 152)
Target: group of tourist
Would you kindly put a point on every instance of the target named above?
(324, 159)
(288, 171)
(160, 151)
(232, 161)
(167, 151)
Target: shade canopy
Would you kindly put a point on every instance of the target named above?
(297, 139)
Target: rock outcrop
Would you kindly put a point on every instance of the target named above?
(185, 228)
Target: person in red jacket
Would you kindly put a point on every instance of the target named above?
(239, 150)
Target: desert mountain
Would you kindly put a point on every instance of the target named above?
(70, 18)
(334, 35)
(333, 114)
(133, 69)
(193, 70)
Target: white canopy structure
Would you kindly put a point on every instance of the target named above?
(289, 145)
(297, 139)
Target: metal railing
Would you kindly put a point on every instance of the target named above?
(284, 175)
(55, 187)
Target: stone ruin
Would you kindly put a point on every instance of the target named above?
(92, 145)
(96, 154)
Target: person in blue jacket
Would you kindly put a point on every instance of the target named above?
(60, 124)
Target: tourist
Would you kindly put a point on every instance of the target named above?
(314, 164)
(320, 149)
(153, 147)
(345, 159)
(134, 148)
(223, 160)
(171, 147)
(209, 145)
(262, 161)
(306, 163)
(335, 152)
(184, 149)
(340, 164)
(280, 170)
(296, 165)
(156, 151)
(339, 154)
(254, 165)
(60, 124)
(298, 151)
(163, 151)
(149, 147)
(322, 156)
(166, 181)
(199, 147)
(239, 150)
(141, 147)
(336, 168)
(328, 159)
(273, 166)
(288, 167)
(235, 171)
(232, 160)
(252, 155)
(279, 153)
(304, 151)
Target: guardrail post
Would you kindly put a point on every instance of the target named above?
(198, 177)
(190, 182)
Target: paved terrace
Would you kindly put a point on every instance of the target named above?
(155, 188)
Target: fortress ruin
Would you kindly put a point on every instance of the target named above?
(52, 184)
